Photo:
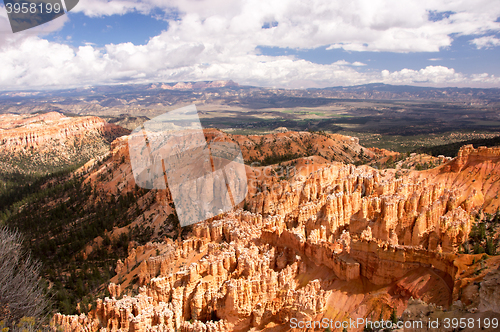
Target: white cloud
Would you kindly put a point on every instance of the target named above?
(485, 78)
(347, 63)
(94, 8)
(342, 63)
(486, 42)
(334, 46)
(357, 25)
(433, 75)
(216, 39)
(37, 63)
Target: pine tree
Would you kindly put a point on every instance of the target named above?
(490, 246)
(394, 316)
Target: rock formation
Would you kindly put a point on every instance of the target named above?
(285, 145)
(338, 242)
(53, 140)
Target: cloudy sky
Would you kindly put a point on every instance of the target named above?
(280, 43)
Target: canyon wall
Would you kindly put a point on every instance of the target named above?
(51, 140)
(310, 246)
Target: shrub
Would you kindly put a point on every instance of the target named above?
(21, 294)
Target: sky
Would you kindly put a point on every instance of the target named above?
(284, 44)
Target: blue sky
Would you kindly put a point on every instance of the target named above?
(289, 43)
(115, 29)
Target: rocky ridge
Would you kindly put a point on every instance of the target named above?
(31, 142)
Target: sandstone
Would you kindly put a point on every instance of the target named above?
(53, 140)
(308, 247)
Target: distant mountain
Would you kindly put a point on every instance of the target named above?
(118, 99)
(408, 92)
(118, 89)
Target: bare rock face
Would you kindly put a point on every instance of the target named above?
(468, 154)
(408, 211)
(312, 246)
(52, 139)
(489, 292)
(21, 132)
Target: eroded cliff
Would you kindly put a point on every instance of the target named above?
(52, 140)
(330, 241)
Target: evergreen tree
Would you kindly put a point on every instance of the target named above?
(394, 316)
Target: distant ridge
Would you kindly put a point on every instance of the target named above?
(392, 92)
(153, 97)
(406, 90)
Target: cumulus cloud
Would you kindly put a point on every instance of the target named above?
(357, 25)
(95, 8)
(486, 79)
(219, 39)
(429, 74)
(486, 42)
(37, 63)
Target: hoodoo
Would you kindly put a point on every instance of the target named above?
(338, 242)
